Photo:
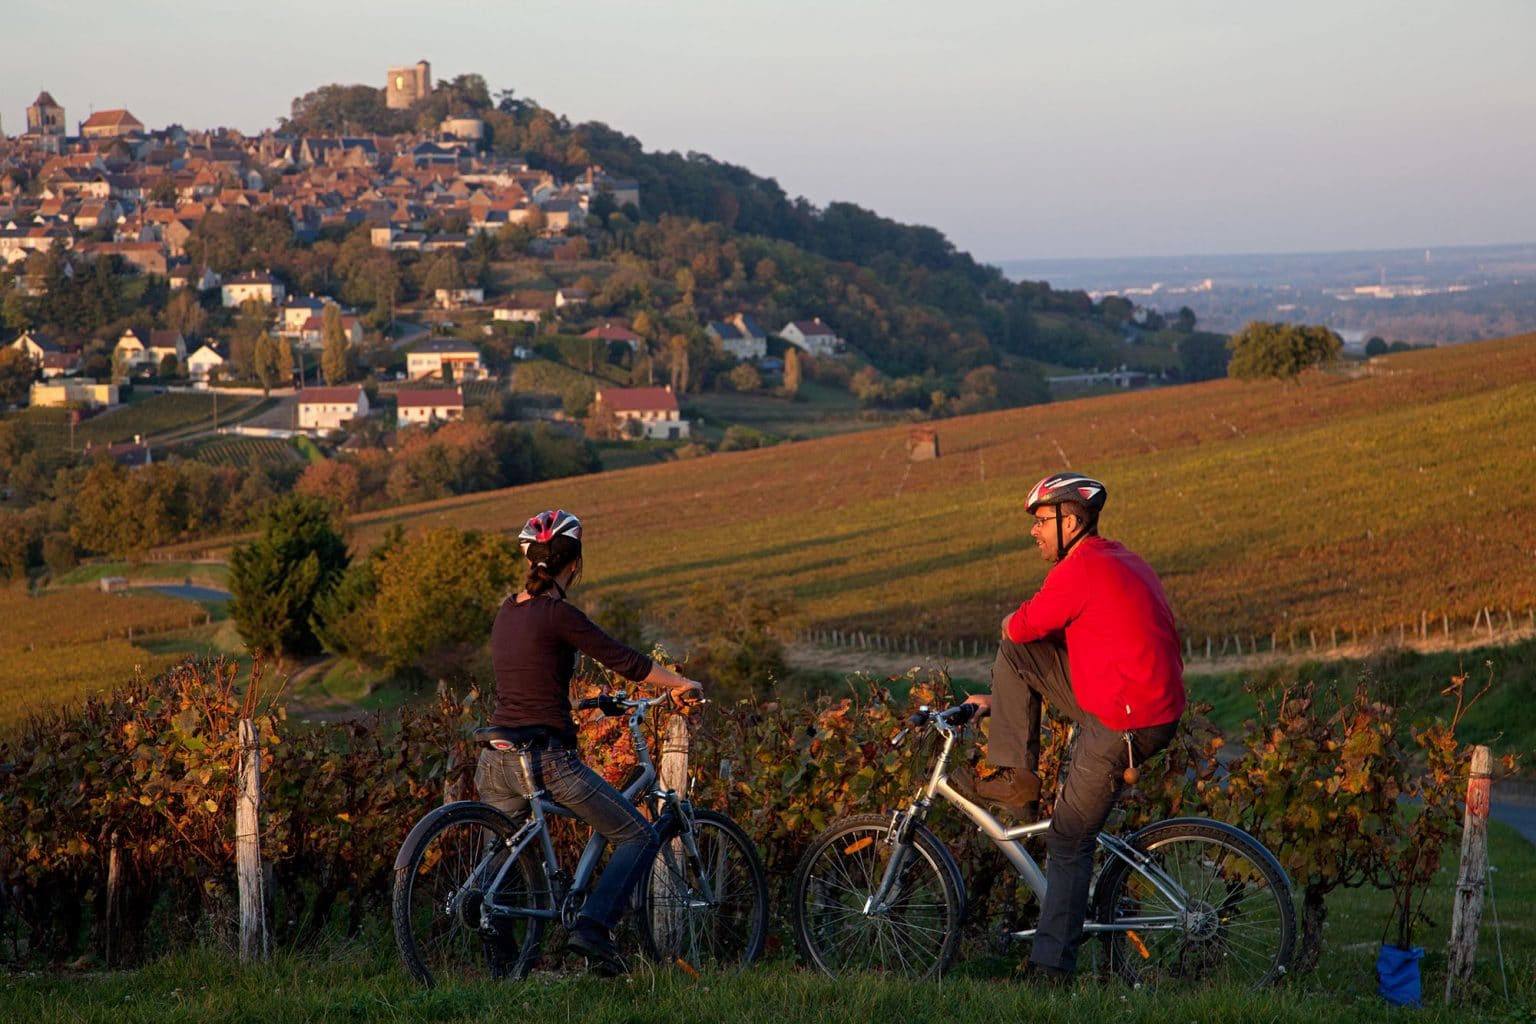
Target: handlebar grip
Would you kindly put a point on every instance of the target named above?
(960, 714)
(588, 703)
(918, 718)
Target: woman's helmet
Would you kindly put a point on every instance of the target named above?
(1060, 487)
(546, 526)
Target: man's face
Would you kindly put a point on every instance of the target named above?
(1044, 531)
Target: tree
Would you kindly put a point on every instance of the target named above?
(335, 354)
(744, 377)
(1184, 320)
(678, 351)
(1281, 351)
(440, 593)
(1376, 347)
(17, 372)
(1202, 356)
(276, 580)
(185, 313)
(792, 372)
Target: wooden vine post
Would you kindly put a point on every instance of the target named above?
(1467, 911)
(253, 921)
(673, 775)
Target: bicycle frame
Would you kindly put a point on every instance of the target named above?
(1009, 842)
(568, 892)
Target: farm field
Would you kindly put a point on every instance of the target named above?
(243, 452)
(1379, 498)
(60, 646)
(151, 416)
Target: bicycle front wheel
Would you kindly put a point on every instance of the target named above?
(1234, 923)
(915, 928)
(443, 881)
(705, 905)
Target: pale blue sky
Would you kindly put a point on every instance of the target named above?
(1020, 128)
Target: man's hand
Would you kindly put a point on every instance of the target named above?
(983, 702)
(1005, 625)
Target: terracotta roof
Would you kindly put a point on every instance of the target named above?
(432, 398)
(608, 332)
(639, 399)
(314, 396)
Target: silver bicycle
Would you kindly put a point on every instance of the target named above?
(475, 889)
(1185, 900)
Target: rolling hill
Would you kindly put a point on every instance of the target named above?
(1394, 494)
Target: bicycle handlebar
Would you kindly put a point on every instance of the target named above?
(618, 703)
(950, 718)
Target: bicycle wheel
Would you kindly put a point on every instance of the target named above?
(441, 882)
(710, 910)
(1235, 925)
(916, 931)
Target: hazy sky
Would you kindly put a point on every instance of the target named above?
(1019, 128)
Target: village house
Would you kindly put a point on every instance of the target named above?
(255, 285)
(458, 298)
(650, 412)
(74, 392)
(812, 336)
(444, 358)
(50, 358)
(740, 336)
(296, 311)
(312, 334)
(525, 307)
(571, 297)
(111, 124)
(184, 276)
(614, 332)
(205, 363)
(423, 406)
(331, 408)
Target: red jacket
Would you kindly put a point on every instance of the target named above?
(1122, 644)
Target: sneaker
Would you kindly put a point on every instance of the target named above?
(1012, 789)
(600, 950)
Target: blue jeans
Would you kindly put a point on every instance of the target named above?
(569, 782)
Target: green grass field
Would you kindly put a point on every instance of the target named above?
(361, 980)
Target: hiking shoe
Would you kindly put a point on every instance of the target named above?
(1012, 789)
(601, 951)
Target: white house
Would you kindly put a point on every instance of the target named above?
(255, 285)
(458, 298)
(331, 408)
(204, 362)
(47, 355)
(813, 336)
(653, 410)
(741, 336)
(426, 405)
(445, 358)
(297, 310)
(525, 308)
(166, 343)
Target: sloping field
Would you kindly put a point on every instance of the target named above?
(1372, 498)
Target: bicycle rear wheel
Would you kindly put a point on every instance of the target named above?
(441, 884)
(916, 931)
(709, 911)
(1236, 924)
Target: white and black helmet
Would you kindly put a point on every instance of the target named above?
(1060, 487)
(546, 526)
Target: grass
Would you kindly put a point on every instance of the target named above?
(362, 981)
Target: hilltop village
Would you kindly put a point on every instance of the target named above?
(179, 206)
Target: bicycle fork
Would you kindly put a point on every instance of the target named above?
(897, 834)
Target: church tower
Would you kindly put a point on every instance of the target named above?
(407, 85)
(45, 122)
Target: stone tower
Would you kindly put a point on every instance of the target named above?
(407, 85)
(44, 116)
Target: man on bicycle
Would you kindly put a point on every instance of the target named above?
(1098, 642)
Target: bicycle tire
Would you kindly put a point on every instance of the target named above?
(438, 895)
(677, 923)
(1239, 926)
(917, 935)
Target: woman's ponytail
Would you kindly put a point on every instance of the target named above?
(547, 560)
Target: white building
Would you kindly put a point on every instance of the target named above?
(256, 285)
(653, 410)
(424, 406)
(812, 336)
(331, 408)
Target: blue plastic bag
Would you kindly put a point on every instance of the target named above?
(1397, 974)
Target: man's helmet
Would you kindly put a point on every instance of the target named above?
(1060, 487)
(546, 526)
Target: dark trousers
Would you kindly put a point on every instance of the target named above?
(569, 782)
(1024, 678)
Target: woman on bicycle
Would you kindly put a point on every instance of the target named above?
(534, 643)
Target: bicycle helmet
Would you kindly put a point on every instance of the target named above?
(546, 526)
(1060, 487)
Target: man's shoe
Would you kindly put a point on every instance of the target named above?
(1047, 976)
(1010, 788)
(600, 950)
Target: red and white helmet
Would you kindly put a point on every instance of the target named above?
(546, 526)
(1060, 487)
